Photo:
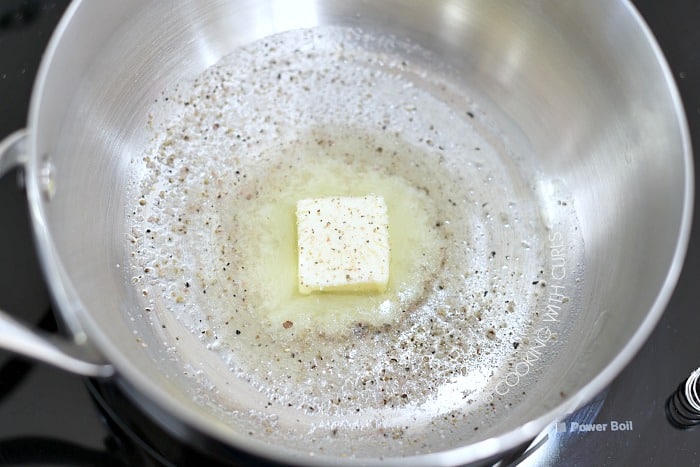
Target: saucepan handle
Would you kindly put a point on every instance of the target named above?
(17, 337)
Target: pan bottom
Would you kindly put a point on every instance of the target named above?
(451, 346)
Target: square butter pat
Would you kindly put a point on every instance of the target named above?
(343, 244)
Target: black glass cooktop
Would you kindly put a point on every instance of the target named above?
(48, 417)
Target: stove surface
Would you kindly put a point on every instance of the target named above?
(48, 417)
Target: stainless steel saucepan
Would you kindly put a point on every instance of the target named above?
(573, 221)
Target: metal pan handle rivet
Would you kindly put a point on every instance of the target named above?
(47, 178)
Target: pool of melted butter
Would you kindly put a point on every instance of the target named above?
(315, 113)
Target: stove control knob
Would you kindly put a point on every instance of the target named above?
(683, 407)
